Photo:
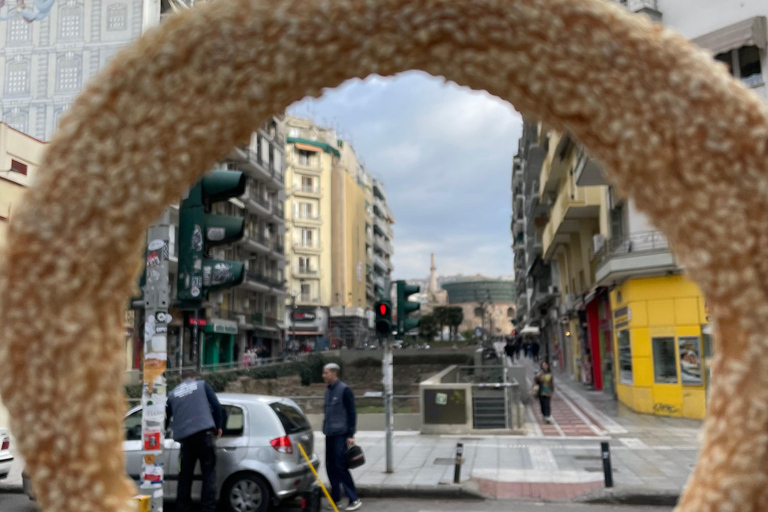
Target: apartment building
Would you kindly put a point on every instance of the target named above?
(383, 237)
(45, 62)
(311, 155)
(350, 318)
(20, 157)
(610, 302)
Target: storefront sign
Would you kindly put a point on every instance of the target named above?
(306, 317)
(222, 326)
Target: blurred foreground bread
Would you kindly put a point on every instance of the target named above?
(674, 131)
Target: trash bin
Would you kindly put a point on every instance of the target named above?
(311, 499)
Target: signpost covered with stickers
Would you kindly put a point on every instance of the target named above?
(154, 394)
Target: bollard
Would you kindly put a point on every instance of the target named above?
(607, 471)
(457, 468)
(144, 503)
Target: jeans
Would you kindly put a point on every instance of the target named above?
(202, 447)
(546, 405)
(336, 466)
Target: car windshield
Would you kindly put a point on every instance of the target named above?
(291, 417)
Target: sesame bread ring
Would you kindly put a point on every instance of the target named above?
(673, 129)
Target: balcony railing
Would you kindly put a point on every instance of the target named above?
(645, 241)
(307, 216)
(259, 278)
(312, 272)
(303, 189)
(306, 299)
(278, 210)
(308, 245)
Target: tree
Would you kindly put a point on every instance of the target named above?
(455, 318)
(442, 317)
(428, 327)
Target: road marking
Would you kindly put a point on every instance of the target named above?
(542, 458)
(609, 424)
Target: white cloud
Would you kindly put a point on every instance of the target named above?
(445, 156)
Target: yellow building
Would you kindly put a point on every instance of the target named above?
(350, 221)
(663, 345)
(20, 157)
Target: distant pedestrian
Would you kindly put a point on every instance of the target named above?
(535, 351)
(195, 415)
(527, 349)
(509, 350)
(546, 383)
(339, 427)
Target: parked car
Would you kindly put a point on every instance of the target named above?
(258, 460)
(6, 459)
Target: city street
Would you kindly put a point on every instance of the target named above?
(20, 503)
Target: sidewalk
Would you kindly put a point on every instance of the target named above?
(651, 456)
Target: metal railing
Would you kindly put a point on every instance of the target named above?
(308, 190)
(278, 210)
(259, 278)
(645, 241)
(363, 403)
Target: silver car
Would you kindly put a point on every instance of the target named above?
(258, 460)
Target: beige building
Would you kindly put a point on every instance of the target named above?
(311, 154)
(20, 157)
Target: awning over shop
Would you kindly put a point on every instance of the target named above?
(530, 329)
(750, 32)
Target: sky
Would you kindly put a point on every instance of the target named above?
(444, 154)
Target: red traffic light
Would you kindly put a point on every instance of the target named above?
(382, 309)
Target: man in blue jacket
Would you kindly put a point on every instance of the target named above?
(196, 422)
(339, 427)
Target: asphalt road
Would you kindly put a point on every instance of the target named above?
(20, 503)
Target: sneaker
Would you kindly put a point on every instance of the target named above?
(354, 505)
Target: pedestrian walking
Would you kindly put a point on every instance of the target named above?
(546, 387)
(509, 350)
(195, 415)
(339, 427)
(535, 351)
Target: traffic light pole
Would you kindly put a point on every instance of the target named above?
(387, 371)
(157, 292)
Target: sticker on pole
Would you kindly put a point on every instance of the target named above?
(155, 245)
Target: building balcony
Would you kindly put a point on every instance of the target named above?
(256, 242)
(306, 273)
(572, 204)
(307, 246)
(307, 219)
(306, 300)
(380, 263)
(312, 166)
(556, 165)
(383, 245)
(256, 202)
(256, 282)
(543, 293)
(588, 172)
(382, 227)
(278, 212)
(534, 161)
(301, 190)
(643, 254)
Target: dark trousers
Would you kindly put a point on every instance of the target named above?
(202, 447)
(546, 405)
(336, 466)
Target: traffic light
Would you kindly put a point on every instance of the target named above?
(405, 307)
(199, 231)
(383, 317)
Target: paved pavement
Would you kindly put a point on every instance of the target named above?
(19, 503)
(651, 456)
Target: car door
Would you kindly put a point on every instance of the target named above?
(231, 449)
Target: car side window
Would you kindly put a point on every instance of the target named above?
(234, 421)
(133, 426)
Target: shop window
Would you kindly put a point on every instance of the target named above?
(690, 360)
(625, 357)
(664, 361)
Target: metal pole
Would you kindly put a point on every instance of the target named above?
(154, 394)
(388, 406)
(607, 470)
(293, 322)
(457, 466)
(196, 352)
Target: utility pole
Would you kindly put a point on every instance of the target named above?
(389, 417)
(157, 292)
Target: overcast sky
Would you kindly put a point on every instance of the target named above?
(444, 154)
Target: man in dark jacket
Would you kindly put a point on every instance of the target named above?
(339, 427)
(196, 422)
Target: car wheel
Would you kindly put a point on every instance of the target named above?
(246, 493)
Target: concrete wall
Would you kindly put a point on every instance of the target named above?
(374, 422)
